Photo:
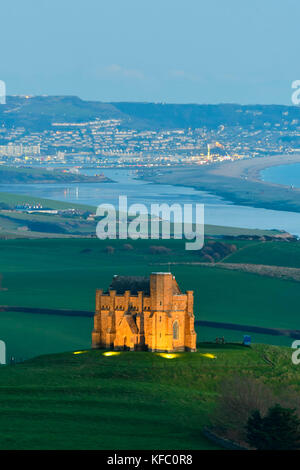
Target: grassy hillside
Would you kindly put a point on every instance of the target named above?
(31, 175)
(38, 112)
(127, 401)
(55, 333)
(271, 253)
(25, 225)
(14, 224)
(17, 199)
(27, 335)
(65, 274)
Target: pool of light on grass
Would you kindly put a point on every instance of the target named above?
(111, 353)
(168, 355)
(210, 356)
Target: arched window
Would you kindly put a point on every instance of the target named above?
(175, 330)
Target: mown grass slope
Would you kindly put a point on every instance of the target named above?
(128, 401)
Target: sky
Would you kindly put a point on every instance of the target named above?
(174, 51)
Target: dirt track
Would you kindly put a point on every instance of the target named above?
(280, 272)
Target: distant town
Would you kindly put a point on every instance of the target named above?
(109, 143)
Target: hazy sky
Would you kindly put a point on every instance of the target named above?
(199, 51)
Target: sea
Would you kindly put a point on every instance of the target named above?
(288, 175)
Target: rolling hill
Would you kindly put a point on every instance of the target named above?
(126, 401)
(39, 112)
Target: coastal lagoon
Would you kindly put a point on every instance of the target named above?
(126, 182)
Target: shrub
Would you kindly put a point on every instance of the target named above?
(245, 398)
(232, 248)
(208, 259)
(221, 248)
(278, 430)
(217, 250)
(207, 250)
(159, 250)
(109, 249)
(127, 247)
(239, 396)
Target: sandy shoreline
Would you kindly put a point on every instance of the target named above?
(238, 182)
(251, 168)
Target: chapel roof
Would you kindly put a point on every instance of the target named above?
(136, 284)
(133, 283)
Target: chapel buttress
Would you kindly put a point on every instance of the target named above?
(139, 313)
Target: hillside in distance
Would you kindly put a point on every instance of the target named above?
(10, 175)
(39, 112)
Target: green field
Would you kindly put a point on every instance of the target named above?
(128, 401)
(15, 199)
(28, 335)
(131, 400)
(44, 225)
(65, 273)
(271, 253)
(206, 334)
